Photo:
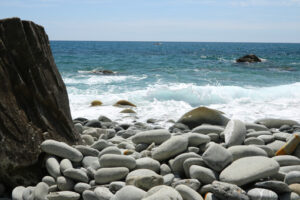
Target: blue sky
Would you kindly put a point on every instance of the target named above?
(162, 20)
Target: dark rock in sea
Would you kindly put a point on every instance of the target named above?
(102, 72)
(34, 105)
(251, 58)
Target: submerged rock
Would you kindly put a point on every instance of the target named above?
(34, 104)
(251, 58)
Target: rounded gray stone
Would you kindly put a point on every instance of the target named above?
(130, 193)
(17, 193)
(89, 195)
(116, 186)
(49, 180)
(217, 157)
(62, 150)
(148, 163)
(64, 184)
(192, 161)
(191, 183)
(112, 160)
(207, 128)
(276, 145)
(249, 169)
(188, 193)
(287, 160)
(262, 194)
(153, 136)
(40, 192)
(110, 150)
(276, 186)
(254, 140)
(195, 139)
(63, 195)
(81, 187)
(163, 192)
(87, 151)
(52, 166)
(203, 174)
(144, 179)
(292, 177)
(266, 138)
(103, 193)
(177, 164)
(78, 175)
(170, 148)
(91, 161)
(107, 175)
(28, 193)
(164, 169)
(235, 133)
(168, 179)
(241, 151)
(65, 164)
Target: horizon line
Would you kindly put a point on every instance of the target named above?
(59, 40)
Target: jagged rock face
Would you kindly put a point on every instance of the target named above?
(34, 105)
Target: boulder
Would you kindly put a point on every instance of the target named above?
(251, 58)
(34, 104)
(203, 115)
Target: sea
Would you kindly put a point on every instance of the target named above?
(167, 79)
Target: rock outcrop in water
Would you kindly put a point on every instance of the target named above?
(34, 105)
(251, 58)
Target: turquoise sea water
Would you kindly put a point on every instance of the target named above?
(167, 80)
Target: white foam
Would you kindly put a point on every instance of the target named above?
(170, 101)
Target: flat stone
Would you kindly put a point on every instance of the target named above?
(241, 151)
(103, 193)
(235, 133)
(148, 163)
(107, 175)
(259, 194)
(249, 169)
(276, 186)
(227, 191)
(287, 160)
(153, 136)
(177, 163)
(144, 179)
(292, 177)
(116, 186)
(203, 174)
(282, 136)
(101, 144)
(168, 179)
(112, 160)
(188, 193)
(170, 148)
(62, 150)
(196, 139)
(164, 169)
(76, 174)
(217, 157)
(63, 195)
(267, 138)
(162, 192)
(52, 166)
(207, 128)
(258, 133)
(129, 193)
(89, 195)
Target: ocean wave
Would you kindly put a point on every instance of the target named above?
(96, 79)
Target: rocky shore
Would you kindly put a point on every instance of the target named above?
(202, 156)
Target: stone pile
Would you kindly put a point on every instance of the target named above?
(192, 160)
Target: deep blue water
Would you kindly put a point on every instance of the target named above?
(177, 76)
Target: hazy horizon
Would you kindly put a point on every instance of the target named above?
(266, 21)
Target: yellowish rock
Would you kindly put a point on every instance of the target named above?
(295, 188)
(128, 110)
(96, 103)
(124, 103)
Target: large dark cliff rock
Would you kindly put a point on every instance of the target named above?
(34, 105)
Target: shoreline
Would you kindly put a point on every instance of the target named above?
(192, 159)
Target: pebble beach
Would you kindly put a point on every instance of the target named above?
(143, 161)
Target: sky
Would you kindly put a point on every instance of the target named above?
(162, 20)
